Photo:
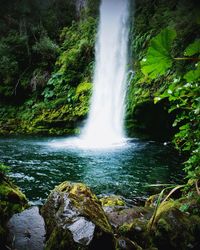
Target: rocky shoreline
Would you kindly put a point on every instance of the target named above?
(74, 218)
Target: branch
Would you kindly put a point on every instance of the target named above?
(15, 89)
(197, 188)
(194, 59)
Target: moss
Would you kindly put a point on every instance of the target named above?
(137, 232)
(52, 118)
(56, 117)
(173, 229)
(169, 228)
(11, 193)
(151, 201)
(163, 208)
(60, 236)
(111, 201)
(12, 201)
(125, 228)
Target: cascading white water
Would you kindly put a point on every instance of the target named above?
(104, 126)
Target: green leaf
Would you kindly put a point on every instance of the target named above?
(193, 75)
(158, 58)
(193, 48)
(184, 207)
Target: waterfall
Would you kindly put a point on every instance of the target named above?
(104, 126)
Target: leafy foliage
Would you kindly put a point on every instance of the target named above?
(46, 48)
(13, 57)
(158, 58)
(77, 55)
(183, 94)
(29, 41)
(60, 100)
(193, 48)
(175, 78)
(193, 75)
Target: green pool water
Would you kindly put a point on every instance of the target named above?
(36, 166)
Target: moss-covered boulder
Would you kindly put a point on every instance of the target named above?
(175, 224)
(75, 219)
(129, 222)
(120, 217)
(174, 229)
(12, 201)
(136, 231)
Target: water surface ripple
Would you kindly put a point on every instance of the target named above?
(38, 167)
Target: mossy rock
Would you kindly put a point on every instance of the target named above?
(137, 232)
(12, 201)
(75, 219)
(173, 229)
(112, 201)
(118, 217)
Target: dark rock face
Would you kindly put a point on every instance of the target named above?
(27, 230)
(75, 220)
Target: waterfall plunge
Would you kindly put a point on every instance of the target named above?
(104, 126)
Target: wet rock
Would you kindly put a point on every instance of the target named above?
(75, 219)
(82, 231)
(27, 230)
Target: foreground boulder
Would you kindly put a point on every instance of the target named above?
(26, 230)
(12, 201)
(75, 220)
(174, 229)
(119, 213)
(169, 228)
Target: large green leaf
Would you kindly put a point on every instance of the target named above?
(193, 75)
(193, 48)
(158, 58)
